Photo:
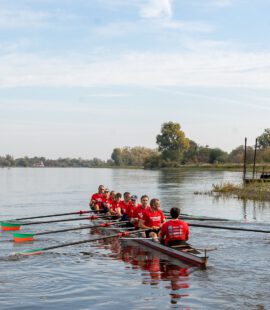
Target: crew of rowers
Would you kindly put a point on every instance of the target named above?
(142, 215)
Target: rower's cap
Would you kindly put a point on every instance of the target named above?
(107, 190)
(133, 197)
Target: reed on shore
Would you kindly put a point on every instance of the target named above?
(257, 191)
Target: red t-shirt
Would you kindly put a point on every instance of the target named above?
(109, 202)
(124, 207)
(131, 211)
(99, 198)
(174, 230)
(140, 211)
(115, 205)
(153, 218)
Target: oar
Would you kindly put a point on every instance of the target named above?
(230, 228)
(198, 218)
(53, 215)
(42, 250)
(24, 237)
(16, 226)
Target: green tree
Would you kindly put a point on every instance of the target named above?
(237, 155)
(172, 142)
(191, 154)
(117, 156)
(264, 139)
(217, 156)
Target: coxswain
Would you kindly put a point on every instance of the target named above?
(174, 231)
(97, 199)
(153, 219)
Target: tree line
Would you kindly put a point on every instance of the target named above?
(174, 149)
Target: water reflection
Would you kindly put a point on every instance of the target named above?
(156, 269)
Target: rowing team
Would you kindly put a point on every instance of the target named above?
(142, 215)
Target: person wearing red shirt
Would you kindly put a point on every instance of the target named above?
(124, 205)
(115, 209)
(153, 218)
(138, 214)
(97, 199)
(174, 231)
(132, 207)
(107, 203)
(112, 195)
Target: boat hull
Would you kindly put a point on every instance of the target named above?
(199, 259)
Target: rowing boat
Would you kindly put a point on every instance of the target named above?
(185, 253)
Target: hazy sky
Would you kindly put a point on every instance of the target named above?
(80, 77)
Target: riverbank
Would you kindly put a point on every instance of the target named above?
(258, 191)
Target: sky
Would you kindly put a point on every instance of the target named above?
(81, 77)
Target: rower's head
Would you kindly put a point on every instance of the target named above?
(112, 194)
(127, 196)
(175, 212)
(101, 189)
(155, 203)
(107, 192)
(118, 196)
(133, 199)
(144, 200)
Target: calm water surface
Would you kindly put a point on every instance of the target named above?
(113, 275)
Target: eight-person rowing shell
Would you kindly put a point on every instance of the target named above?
(172, 232)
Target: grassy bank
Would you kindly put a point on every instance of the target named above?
(254, 191)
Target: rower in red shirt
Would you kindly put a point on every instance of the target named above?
(138, 214)
(174, 231)
(108, 201)
(97, 199)
(132, 207)
(124, 205)
(153, 218)
(115, 209)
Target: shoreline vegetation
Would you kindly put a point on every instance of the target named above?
(257, 191)
(174, 151)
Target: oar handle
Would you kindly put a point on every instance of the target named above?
(54, 215)
(108, 224)
(92, 217)
(120, 234)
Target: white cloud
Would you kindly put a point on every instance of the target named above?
(204, 69)
(29, 18)
(221, 3)
(157, 8)
(185, 26)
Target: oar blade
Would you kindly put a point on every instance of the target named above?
(9, 226)
(23, 237)
(32, 252)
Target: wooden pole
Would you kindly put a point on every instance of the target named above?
(254, 159)
(245, 160)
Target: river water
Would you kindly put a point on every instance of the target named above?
(117, 275)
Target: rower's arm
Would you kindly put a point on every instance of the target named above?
(141, 225)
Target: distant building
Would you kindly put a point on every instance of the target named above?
(39, 164)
